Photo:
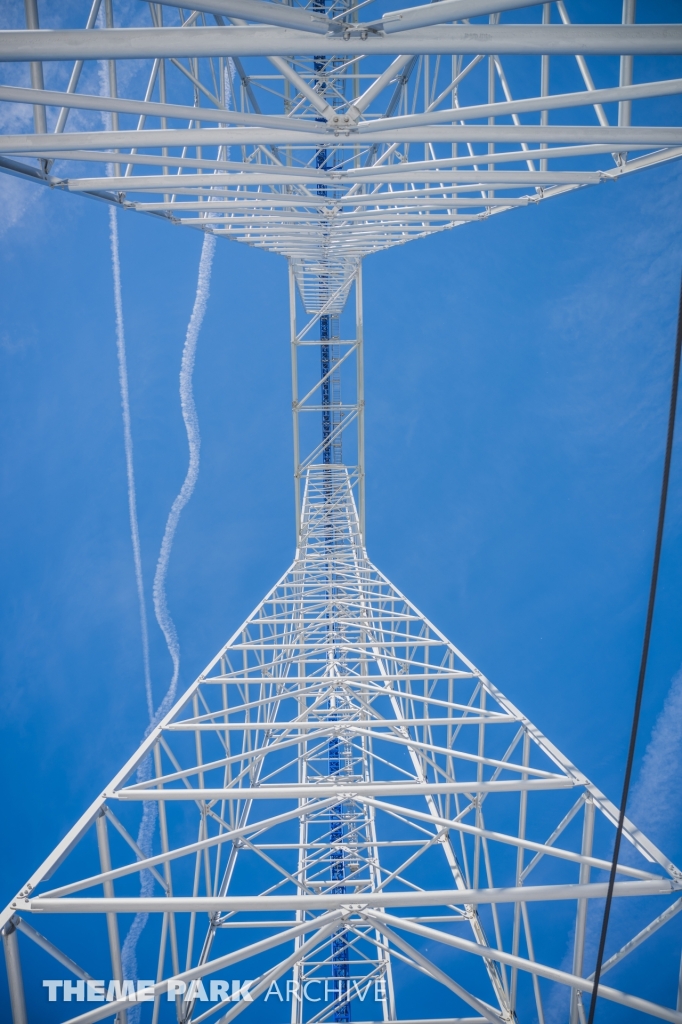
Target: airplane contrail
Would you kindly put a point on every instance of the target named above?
(128, 446)
(145, 840)
(189, 415)
(103, 74)
(147, 827)
(145, 835)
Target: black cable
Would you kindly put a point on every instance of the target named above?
(643, 663)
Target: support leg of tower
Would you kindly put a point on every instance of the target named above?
(112, 919)
(294, 400)
(360, 399)
(14, 978)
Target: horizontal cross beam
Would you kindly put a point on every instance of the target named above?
(259, 40)
(349, 901)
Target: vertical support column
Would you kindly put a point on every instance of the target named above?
(492, 18)
(32, 22)
(13, 963)
(455, 68)
(156, 11)
(294, 400)
(301, 877)
(112, 919)
(113, 86)
(626, 62)
(356, 81)
(523, 814)
(426, 75)
(479, 779)
(544, 79)
(326, 386)
(165, 847)
(360, 397)
(581, 917)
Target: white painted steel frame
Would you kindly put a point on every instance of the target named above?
(444, 799)
(349, 365)
(220, 125)
(451, 800)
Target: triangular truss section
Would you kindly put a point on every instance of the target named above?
(352, 817)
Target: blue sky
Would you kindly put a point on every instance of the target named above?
(517, 387)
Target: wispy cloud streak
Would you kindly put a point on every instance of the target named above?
(128, 446)
(655, 807)
(145, 840)
(145, 835)
(189, 415)
(656, 802)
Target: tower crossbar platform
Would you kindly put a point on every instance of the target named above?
(350, 822)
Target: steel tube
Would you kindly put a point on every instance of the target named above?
(622, 94)
(112, 916)
(206, 968)
(532, 967)
(452, 10)
(294, 401)
(339, 726)
(146, 108)
(259, 41)
(360, 396)
(14, 978)
(360, 790)
(265, 13)
(510, 134)
(50, 948)
(275, 904)
(32, 24)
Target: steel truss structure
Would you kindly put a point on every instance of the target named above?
(358, 788)
(308, 131)
(349, 812)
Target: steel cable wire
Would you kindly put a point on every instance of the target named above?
(643, 663)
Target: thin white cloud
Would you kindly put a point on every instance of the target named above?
(655, 806)
(656, 802)
(128, 446)
(189, 415)
(17, 199)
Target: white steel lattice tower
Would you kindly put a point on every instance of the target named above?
(353, 822)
